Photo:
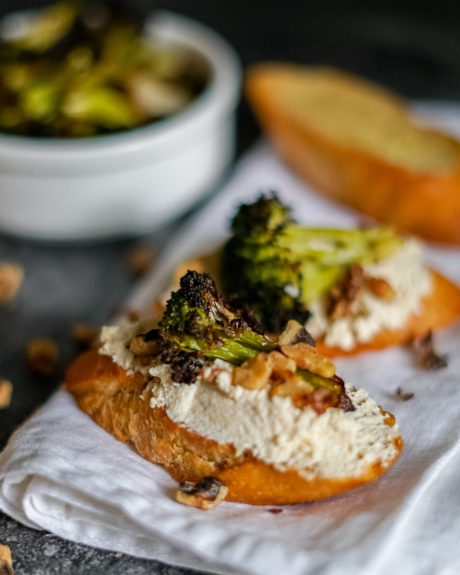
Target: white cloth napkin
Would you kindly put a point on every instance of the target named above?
(63, 473)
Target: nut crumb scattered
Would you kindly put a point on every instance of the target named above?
(275, 510)
(6, 561)
(84, 335)
(42, 356)
(403, 395)
(6, 390)
(140, 260)
(133, 315)
(425, 353)
(11, 276)
(206, 494)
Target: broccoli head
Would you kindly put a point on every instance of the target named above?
(279, 267)
(196, 321)
(197, 327)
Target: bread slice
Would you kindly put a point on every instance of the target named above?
(357, 143)
(117, 401)
(439, 309)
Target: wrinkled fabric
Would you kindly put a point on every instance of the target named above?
(62, 473)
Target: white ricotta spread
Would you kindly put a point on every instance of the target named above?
(115, 342)
(334, 444)
(410, 279)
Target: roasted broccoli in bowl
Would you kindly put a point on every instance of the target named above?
(278, 267)
(79, 69)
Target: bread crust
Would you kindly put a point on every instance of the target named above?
(114, 399)
(424, 204)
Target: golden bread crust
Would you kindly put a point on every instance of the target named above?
(113, 398)
(425, 204)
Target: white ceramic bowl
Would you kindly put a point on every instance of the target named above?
(130, 182)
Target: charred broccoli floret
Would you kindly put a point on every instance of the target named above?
(279, 267)
(197, 327)
(196, 321)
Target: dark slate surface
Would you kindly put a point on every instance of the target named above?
(412, 47)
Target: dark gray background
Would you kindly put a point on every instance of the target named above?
(412, 47)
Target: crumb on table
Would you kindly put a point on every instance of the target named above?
(6, 391)
(11, 276)
(42, 356)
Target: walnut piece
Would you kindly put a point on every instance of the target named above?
(85, 336)
(253, 373)
(425, 353)
(296, 388)
(140, 260)
(11, 276)
(6, 561)
(294, 332)
(42, 356)
(206, 494)
(306, 357)
(6, 391)
(380, 288)
(403, 395)
(348, 290)
(144, 344)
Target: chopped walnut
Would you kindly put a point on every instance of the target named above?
(280, 371)
(144, 344)
(85, 336)
(348, 290)
(403, 395)
(380, 288)
(6, 391)
(140, 260)
(296, 388)
(425, 353)
(253, 373)
(6, 561)
(42, 356)
(206, 494)
(306, 357)
(11, 276)
(294, 332)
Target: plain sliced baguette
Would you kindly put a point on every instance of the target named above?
(357, 143)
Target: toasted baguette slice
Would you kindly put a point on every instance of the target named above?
(114, 399)
(356, 143)
(439, 309)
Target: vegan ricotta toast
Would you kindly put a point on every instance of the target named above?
(353, 289)
(229, 411)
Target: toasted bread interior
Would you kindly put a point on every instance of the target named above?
(355, 113)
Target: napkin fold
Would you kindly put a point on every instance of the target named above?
(63, 473)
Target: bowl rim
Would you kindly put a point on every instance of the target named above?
(221, 94)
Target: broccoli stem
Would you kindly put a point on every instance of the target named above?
(325, 253)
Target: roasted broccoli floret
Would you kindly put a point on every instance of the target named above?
(196, 321)
(198, 327)
(279, 267)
